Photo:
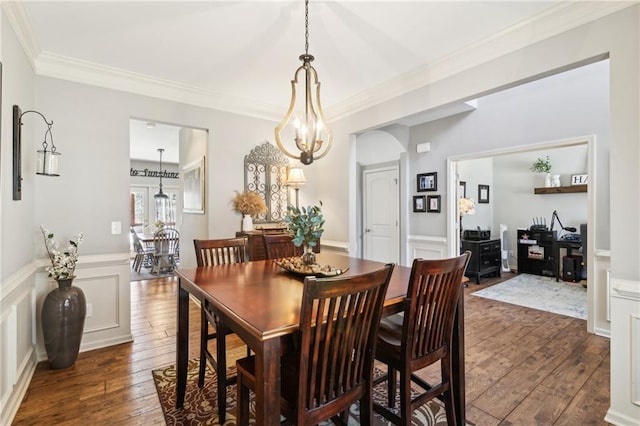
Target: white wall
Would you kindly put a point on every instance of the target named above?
(193, 146)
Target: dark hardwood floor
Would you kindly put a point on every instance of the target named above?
(524, 367)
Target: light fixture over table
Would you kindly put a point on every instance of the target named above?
(304, 122)
(161, 199)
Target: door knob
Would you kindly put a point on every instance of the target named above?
(367, 230)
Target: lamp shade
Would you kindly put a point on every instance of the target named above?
(295, 177)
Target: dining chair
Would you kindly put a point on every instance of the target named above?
(144, 255)
(166, 242)
(278, 246)
(208, 253)
(421, 336)
(331, 366)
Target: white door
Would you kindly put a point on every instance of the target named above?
(380, 215)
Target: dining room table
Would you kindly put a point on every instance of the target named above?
(260, 302)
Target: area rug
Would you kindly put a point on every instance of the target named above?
(542, 293)
(200, 405)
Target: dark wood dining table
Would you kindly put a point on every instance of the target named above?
(260, 302)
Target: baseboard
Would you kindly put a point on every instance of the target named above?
(12, 405)
(620, 419)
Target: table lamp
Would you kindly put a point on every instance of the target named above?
(295, 178)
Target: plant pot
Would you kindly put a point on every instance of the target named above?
(308, 257)
(247, 223)
(63, 315)
(547, 180)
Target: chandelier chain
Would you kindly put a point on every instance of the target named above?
(306, 27)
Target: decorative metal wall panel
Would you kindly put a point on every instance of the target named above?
(265, 174)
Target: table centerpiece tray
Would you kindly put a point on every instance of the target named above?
(295, 266)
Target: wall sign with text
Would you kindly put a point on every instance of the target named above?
(579, 179)
(154, 173)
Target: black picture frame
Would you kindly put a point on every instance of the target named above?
(433, 204)
(419, 203)
(427, 182)
(483, 194)
(462, 189)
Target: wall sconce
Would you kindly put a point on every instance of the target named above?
(295, 178)
(48, 158)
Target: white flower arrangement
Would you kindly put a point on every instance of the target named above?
(63, 264)
(466, 206)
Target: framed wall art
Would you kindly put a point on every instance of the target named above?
(433, 203)
(483, 194)
(419, 203)
(427, 182)
(193, 179)
(462, 189)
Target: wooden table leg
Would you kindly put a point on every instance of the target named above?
(457, 355)
(268, 383)
(182, 345)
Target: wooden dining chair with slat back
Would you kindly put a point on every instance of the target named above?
(420, 336)
(217, 252)
(331, 366)
(278, 246)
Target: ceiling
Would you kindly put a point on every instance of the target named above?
(240, 56)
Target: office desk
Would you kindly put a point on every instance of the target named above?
(261, 303)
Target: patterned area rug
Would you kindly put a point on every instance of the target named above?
(542, 293)
(200, 404)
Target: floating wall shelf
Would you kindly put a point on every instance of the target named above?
(561, 189)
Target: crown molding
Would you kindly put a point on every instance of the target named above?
(556, 20)
(20, 21)
(79, 71)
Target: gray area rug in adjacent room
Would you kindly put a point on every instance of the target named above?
(542, 293)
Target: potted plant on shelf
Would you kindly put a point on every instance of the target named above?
(306, 224)
(250, 204)
(543, 166)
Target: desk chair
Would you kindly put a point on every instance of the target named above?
(332, 364)
(278, 246)
(217, 252)
(421, 336)
(166, 242)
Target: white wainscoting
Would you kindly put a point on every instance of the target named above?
(425, 247)
(625, 359)
(599, 294)
(104, 280)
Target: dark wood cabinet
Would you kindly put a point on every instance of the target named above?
(255, 243)
(485, 258)
(536, 252)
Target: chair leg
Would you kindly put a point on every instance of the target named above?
(391, 387)
(242, 395)
(221, 360)
(204, 331)
(366, 408)
(405, 397)
(449, 403)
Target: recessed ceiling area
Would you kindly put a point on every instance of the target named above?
(146, 137)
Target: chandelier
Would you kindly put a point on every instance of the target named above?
(163, 204)
(304, 122)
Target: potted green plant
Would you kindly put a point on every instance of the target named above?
(306, 224)
(543, 166)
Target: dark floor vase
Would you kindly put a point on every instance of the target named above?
(63, 315)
